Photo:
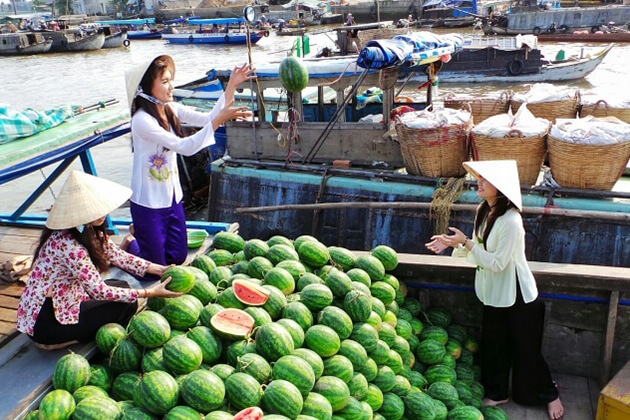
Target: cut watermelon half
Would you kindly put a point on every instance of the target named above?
(250, 293)
(251, 413)
(232, 323)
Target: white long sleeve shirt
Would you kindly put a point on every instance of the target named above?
(155, 179)
(501, 263)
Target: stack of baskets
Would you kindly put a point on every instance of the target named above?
(435, 152)
(551, 110)
(601, 108)
(529, 152)
(482, 108)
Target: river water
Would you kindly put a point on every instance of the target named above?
(49, 80)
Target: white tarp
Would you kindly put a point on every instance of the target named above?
(435, 119)
(545, 92)
(591, 130)
(501, 125)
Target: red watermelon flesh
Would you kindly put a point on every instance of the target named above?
(250, 293)
(251, 413)
(233, 323)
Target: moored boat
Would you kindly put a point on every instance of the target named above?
(217, 34)
(114, 37)
(74, 40)
(135, 28)
(23, 43)
(585, 36)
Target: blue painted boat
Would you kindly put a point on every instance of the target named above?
(220, 32)
(134, 27)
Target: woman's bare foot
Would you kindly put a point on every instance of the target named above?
(55, 346)
(128, 239)
(556, 410)
(488, 401)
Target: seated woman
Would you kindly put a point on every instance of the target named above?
(66, 300)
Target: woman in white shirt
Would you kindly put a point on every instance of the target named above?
(512, 313)
(157, 211)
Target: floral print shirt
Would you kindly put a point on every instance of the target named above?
(65, 272)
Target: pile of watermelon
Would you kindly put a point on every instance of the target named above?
(299, 329)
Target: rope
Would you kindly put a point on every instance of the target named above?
(442, 200)
(292, 129)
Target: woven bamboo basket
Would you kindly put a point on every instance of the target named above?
(589, 166)
(529, 152)
(566, 108)
(436, 152)
(381, 33)
(602, 109)
(481, 108)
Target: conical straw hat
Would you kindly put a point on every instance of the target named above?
(133, 77)
(83, 199)
(503, 174)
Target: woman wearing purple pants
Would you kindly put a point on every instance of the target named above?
(159, 225)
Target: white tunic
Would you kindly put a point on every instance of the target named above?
(501, 263)
(155, 179)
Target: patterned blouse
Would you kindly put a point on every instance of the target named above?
(65, 272)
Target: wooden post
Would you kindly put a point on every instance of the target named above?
(609, 337)
(340, 103)
(320, 103)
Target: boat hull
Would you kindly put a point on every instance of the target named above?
(231, 38)
(143, 35)
(74, 41)
(590, 37)
(115, 41)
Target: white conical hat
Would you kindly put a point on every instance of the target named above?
(503, 174)
(83, 199)
(133, 77)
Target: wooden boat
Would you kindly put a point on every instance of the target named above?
(205, 36)
(23, 43)
(532, 20)
(513, 59)
(135, 28)
(114, 37)
(74, 40)
(290, 32)
(585, 37)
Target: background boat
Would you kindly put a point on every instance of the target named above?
(586, 37)
(23, 43)
(74, 40)
(114, 37)
(221, 33)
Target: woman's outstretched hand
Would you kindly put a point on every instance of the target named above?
(240, 75)
(160, 290)
(440, 242)
(436, 245)
(229, 113)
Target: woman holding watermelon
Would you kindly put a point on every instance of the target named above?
(512, 313)
(65, 300)
(157, 211)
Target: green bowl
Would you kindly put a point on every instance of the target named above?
(196, 237)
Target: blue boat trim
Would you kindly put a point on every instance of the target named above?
(218, 21)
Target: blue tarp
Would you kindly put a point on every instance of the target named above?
(220, 21)
(17, 124)
(382, 53)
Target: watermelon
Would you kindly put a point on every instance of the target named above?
(124, 385)
(126, 356)
(419, 405)
(96, 408)
(182, 278)
(296, 268)
(439, 317)
(355, 352)
(313, 359)
(371, 265)
(202, 390)
(393, 407)
(430, 351)
(261, 317)
(88, 391)
(182, 355)
(374, 397)
(440, 373)
(492, 412)
(441, 412)
(284, 398)
(444, 392)
(137, 413)
(366, 335)
(251, 413)
(149, 329)
(322, 340)
(227, 298)
(352, 411)
(338, 282)
(323, 272)
(314, 254)
(239, 348)
(387, 333)
(57, 405)
(342, 257)
(273, 341)
(276, 302)
(300, 313)
(334, 390)
(182, 412)
(205, 264)
(101, 377)
(108, 336)
(369, 370)
(293, 75)
(157, 392)
(387, 256)
(337, 319)
(464, 373)
(210, 345)
(221, 257)
(258, 267)
(402, 386)
(385, 378)
(219, 415)
(220, 277)
(250, 293)
(232, 323)
(403, 329)
(358, 305)
(182, 312)
(308, 278)
(316, 297)
(466, 412)
(204, 290)
(401, 345)
(383, 291)
(255, 248)
(229, 241)
(316, 405)
(281, 252)
(297, 332)
(279, 239)
(471, 345)
(380, 354)
(394, 361)
(301, 239)
(254, 365)
(222, 370)
(153, 360)
(360, 276)
(416, 326)
(297, 371)
(280, 278)
(71, 372)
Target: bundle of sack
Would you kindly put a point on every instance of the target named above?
(591, 130)
(503, 125)
(426, 120)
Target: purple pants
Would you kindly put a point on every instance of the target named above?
(160, 233)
